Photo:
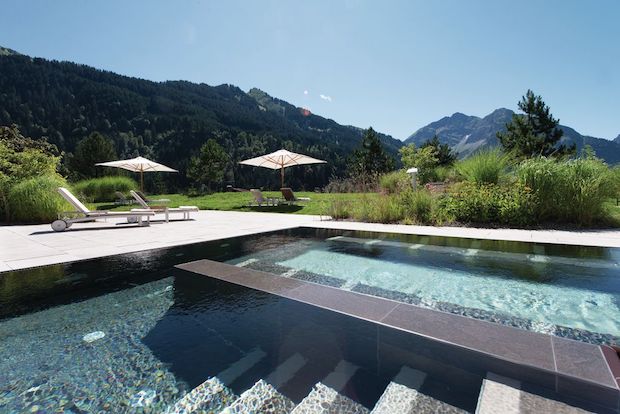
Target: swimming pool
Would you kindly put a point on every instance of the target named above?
(132, 333)
(569, 291)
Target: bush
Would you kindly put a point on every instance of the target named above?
(395, 182)
(417, 206)
(36, 200)
(484, 167)
(102, 189)
(339, 209)
(571, 191)
(467, 202)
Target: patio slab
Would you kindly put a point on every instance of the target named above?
(37, 245)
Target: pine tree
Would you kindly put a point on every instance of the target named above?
(443, 152)
(91, 150)
(535, 132)
(209, 166)
(370, 159)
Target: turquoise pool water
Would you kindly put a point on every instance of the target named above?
(566, 291)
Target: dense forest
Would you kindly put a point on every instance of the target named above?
(64, 102)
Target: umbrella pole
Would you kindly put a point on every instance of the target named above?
(141, 181)
(282, 177)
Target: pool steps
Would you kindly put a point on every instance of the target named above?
(538, 256)
(501, 394)
(402, 395)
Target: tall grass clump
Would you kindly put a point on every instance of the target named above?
(36, 200)
(417, 206)
(395, 182)
(484, 167)
(571, 191)
(103, 189)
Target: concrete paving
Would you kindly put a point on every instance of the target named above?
(37, 245)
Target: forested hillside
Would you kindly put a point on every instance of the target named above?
(168, 121)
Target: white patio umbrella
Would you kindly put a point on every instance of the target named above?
(281, 159)
(138, 164)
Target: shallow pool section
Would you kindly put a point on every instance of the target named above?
(566, 291)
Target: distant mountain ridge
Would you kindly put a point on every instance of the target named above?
(64, 102)
(467, 134)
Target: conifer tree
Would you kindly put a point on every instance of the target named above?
(535, 132)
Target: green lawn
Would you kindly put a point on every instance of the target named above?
(237, 201)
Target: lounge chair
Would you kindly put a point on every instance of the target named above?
(148, 200)
(83, 214)
(261, 200)
(164, 209)
(289, 196)
(121, 199)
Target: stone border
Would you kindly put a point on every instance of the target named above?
(569, 367)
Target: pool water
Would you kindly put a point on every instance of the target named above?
(571, 291)
(133, 334)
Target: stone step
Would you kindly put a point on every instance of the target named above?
(286, 370)
(325, 400)
(401, 394)
(340, 376)
(261, 398)
(501, 394)
(210, 396)
(230, 374)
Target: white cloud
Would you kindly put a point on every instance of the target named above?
(326, 97)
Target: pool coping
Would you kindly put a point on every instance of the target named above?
(569, 367)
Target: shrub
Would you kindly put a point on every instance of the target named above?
(571, 191)
(395, 182)
(339, 209)
(467, 202)
(484, 167)
(102, 189)
(36, 200)
(417, 206)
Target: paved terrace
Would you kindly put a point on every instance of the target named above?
(37, 245)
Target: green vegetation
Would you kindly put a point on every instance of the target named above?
(433, 160)
(484, 167)
(208, 167)
(36, 200)
(26, 168)
(395, 182)
(90, 151)
(104, 188)
(370, 159)
(534, 133)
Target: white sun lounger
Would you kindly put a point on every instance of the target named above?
(83, 214)
(185, 210)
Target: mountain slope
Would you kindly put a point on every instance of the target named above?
(467, 134)
(169, 121)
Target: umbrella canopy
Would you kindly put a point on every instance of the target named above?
(281, 159)
(138, 164)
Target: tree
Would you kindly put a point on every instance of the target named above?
(370, 158)
(443, 152)
(209, 166)
(425, 159)
(535, 132)
(91, 150)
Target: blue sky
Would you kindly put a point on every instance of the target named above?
(395, 65)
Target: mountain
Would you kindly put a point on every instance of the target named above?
(466, 134)
(64, 102)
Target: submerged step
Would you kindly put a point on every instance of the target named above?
(261, 398)
(325, 400)
(338, 378)
(230, 374)
(286, 370)
(210, 396)
(501, 394)
(401, 394)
